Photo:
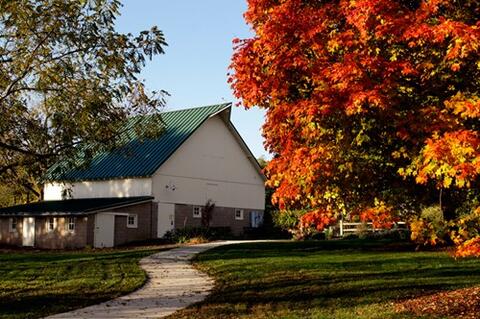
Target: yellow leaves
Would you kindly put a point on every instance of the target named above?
(426, 232)
(330, 195)
(402, 171)
(464, 105)
(447, 181)
(465, 228)
(400, 153)
(333, 45)
(452, 159)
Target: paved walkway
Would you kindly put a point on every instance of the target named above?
(173, 284)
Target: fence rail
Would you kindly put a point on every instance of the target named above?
(352, 228)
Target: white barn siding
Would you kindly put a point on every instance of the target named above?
(210, 165)
(94, 189)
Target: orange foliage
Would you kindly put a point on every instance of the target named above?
(470, 248)
(466, 107)
(466, 235)
(319, 219)
(381, 216)
(426, 232)
(356, 92)
(453, 157)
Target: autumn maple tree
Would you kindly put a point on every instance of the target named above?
(372, 106)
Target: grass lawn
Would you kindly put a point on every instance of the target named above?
(34, 284)
(325, 279)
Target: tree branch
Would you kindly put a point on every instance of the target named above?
(23, 151)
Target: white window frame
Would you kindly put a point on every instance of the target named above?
(69, 222)
(135, 221)
(11, 228)
(197, 212)
(54, 224)
(241, 216)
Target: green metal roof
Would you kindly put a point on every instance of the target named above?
(143, 158)
(71, 206)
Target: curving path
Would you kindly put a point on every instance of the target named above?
(172, 284)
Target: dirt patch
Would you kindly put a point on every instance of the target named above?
(460, 303)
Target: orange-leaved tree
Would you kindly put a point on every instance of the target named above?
(368, 101)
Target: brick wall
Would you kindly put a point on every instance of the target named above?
(221, 217)
(145, 225)
(8, 237)
(61, 237)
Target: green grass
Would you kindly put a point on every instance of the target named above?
(34, 284)
(326, 279)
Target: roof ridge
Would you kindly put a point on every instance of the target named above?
(226, 104)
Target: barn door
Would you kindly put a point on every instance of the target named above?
(28, 231)
(165, 218)
(104, 232)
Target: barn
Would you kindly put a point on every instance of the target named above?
(199, 171)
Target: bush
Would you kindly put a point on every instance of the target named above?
(392, 234)
(362, 231)
(433, 214)
(430, 228)
(197, 234)
(287, 220)
(290, 221)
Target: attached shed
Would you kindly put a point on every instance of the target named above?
(76, 223)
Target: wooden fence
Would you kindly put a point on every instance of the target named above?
(353, 228)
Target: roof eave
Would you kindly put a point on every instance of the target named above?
(126, 204)
(41, 214)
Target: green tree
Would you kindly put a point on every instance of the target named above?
(68, 79)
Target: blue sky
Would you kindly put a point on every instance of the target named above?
(194, 68)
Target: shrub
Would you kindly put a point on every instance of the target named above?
(393, 234)
(362, 231)
(430, 228)
(287, 219)
(433, 214)
(197, 234)
(290, 220)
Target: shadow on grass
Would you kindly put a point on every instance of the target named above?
(272, 249)
(296, 279)
(36, 284)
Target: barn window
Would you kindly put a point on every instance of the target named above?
(51, 223)
(197, 212)
(13, 224)
(132, 221)
(71, 224)
(239, 214)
